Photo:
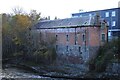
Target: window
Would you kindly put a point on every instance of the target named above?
(85, 48)
(56, 37)
(107, 14)
(103, 37)
(67, 48)
(109, 33)
(79, 49)
(90, 15)
(56, 47)
(113, 13)
(113, 23)
(83, 37)
(80, 15)
(75, 39)
(67, 37)
(108, 23)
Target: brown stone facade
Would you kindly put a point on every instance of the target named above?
(78, 39)
(77, 45)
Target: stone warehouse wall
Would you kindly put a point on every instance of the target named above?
(79, 53)
(76, 45)
(73, 53)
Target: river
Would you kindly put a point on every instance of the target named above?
(17, 73)
(54, 73)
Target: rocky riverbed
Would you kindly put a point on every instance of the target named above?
(18, 73)
(70, 71)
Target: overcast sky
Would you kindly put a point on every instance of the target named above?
(59, 8)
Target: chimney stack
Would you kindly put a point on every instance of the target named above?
(48, 17)
(119, 4)
(97, 19)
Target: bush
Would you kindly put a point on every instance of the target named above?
(106, 53)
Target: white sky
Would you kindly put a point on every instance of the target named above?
(59, 8)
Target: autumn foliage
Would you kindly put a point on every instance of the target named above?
(20, 43)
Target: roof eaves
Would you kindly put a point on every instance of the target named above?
(75, 26)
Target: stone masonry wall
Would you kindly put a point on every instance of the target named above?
(73, 53)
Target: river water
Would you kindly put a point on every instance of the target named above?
(17, 73)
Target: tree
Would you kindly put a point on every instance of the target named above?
(56, 17)
(6, 36)
(106, 54)
(44, 47)
(34, 16)
(14, 31)
(18, 10)
(21, 42)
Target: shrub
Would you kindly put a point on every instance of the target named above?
(106, 53)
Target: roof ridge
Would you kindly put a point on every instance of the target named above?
(65, 19)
